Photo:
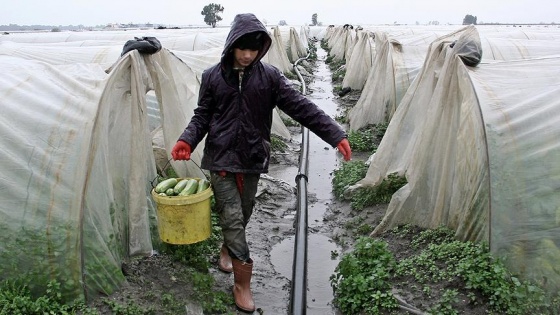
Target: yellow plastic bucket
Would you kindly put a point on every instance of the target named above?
(184, 219)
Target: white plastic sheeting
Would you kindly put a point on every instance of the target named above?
(400, 53)
(296, 48)
(317, 32)
(79, 161)
(277, 54)
(520, 103)
(341, 41)
(78, 165)
(103, 55)
(178, 39)
(396, 64)
(106, 53)
(360, 63)
(304, 36)
(81, 46)
(479, 148)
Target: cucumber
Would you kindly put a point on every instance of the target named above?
(203, 184)
(164, 185)
(180, 186)
(192, 186)
(170, 192)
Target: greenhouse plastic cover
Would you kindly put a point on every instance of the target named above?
(400, 54)
(360, 63)
(479, 148)
(78, 164)
(77, 137)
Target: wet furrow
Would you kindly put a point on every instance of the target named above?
(323, 159)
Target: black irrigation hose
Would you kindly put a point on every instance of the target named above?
(298, 294)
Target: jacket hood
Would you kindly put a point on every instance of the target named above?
(245, 23)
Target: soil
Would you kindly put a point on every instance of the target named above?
(150, 280)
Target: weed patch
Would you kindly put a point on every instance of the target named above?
(436, 273)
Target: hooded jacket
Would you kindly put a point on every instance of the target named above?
(237, 116)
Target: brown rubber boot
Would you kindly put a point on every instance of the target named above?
(224, 263)
(242, 272)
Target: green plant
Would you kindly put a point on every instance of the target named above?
(364, 229)
(380, 129)
(212, 301)
(197, 256)
(343, 116)
(440, 234)
(365, 278)
(36, 268)
(348, 174)
(312, 52)
(126, 309)
(362, 140)
(171, 304)
(335, 65)
(351, 172)
(289, 122)
(445, 304)
(291, 76)
(338, 74)
(445, 259)
(325, 45)
(402, 230)
(361, 279)
(16, 298)
(277, 144)
(380, 194)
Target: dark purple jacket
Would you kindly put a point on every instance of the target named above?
(238, 120)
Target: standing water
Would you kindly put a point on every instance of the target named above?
(323, 159)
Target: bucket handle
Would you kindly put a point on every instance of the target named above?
(154, 181)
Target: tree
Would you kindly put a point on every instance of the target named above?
(210, 13)
(469, 19)
(314, 19)
(282, 23)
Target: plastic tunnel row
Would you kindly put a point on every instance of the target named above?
(472, 118)
(83, 131)
(472, 115)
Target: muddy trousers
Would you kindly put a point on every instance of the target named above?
(234, 210)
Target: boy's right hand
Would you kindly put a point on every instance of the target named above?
(181, 151)
(344, 148)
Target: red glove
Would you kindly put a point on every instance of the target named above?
(344, 147)
(181, 151)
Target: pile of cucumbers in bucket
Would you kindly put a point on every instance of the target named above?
(181, 186)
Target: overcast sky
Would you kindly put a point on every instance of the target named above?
(294, 12)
